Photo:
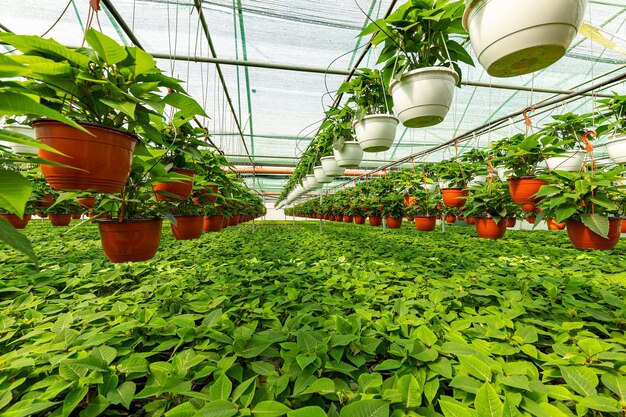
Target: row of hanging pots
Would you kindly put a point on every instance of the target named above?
(178, 190)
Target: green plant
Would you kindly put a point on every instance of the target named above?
(339, 126)
(183, 208)
(520, 154)
(614, 113)
(368, 93)
(452, 173)
(588, 196)
(566, 132)
(418, 35)
(63, 204)
(393, 204)
(489, 199)
(425, 204)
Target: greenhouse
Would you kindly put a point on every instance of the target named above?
(352, 208)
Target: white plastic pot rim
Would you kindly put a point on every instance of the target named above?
(422, 71)
(377, 116)
(617, 138)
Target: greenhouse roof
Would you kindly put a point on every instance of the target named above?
(279, 101)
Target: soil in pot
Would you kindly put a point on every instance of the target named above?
(60, 219)
(176, 191)
(375, 221)
(16, 221)
(130, 241)
(487, 228)
(583, 238)
(394, 222)
(213, 223)
(359, 219)
(454, 197)
(523, 190)
(103, 160)
(187, 227)
(425, 223)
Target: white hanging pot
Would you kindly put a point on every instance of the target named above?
(350, 156)
(616, 147)
(376, 132)
(513, 38)
(312, 182)
(571, 161)
(423, 96)
(320, 176)
(19, 148)
(331, 167)
(429, 187)
(478, 179)
(501, 171)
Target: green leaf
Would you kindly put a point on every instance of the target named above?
(221, 388)
(218, 408)
(600, 403)
(488, 403)
(475, 367)
(26, 408)
(105, 353)
(72, 399)
(186, 104)
(598, 223)
(410, 391)
(107, 48)
(366, 408)
(310, 411)
(182, 410)
(72, 371)
(14, 192)
(581, 379)
(321, 386)
(95, 407)
(452, 408)
(12, 104)
(615, 383)
(123, 394)
(270, 409)
(13, 238)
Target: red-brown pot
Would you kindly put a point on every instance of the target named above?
(531, 219)
(204, 196)
(453, 197)
(60, 219)
(523, 190)
(583, 238)
(45, 201)
(76, 216)
(213, 223)
(409, 201)
(347, 219)
(553, 225)
(131, 240)
(225, 222)
(234, 220)
(86, 202)
(425, 223)
(359, 219)
(487, 228)
(511, 222)
(187, 227)
(623, 225)
(104, 159)
(394, 222)
(182, 188)
(16, 221)
(470, 221)
(410, 218)
(338, 217)
(529, 207)
(450, 219)
(375, 221)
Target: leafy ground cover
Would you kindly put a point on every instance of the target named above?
(287, 322)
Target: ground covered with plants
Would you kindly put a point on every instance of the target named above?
(355, 322)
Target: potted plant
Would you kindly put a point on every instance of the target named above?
(60, 212)
(95, 100)
(373, 124)
(614, 113)
(189, 219)
(393, 210)
(21, 221)
(213, 218)
(338, 126)
(487, 204)
(373, 211)
(424, 211)
(511, 38)
(420, 58)
(586, 202)
(452, 176)
(522, 154)
(562, 141)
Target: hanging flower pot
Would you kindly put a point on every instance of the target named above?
(347, 219)
(331, 167)
(623, 228)
(187, 227)
(523, 190)
(487, 228)
(616, 148)
(321, 176)
(454, 197)
(15, 220)
(338, 217)
(376, 132)
(103, 161)
(394, 222)
(375, 221)
(45, 201)
(213, 223)
(470, 221)
(204, 195)
(17, 147)
(179, 190)
(409, 201)
(225, 222)
(130, 240)
(60, 219)
(359, 219)
(234, 220)
(410, 218)
(350, 156)
(429, 187)
(553, 225)
(571, 161)
(86, 202)
(450, 219)
(516, 38)
(76, 216)
(531, 219)
(423, 96)
(478, 179)
(529, 207)
(584, 238)
(425, 223)
(511, 222)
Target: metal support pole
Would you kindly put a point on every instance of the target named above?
(120, 21)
